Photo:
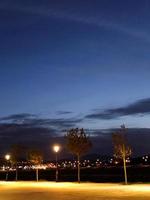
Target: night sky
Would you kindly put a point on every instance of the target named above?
(74, 63)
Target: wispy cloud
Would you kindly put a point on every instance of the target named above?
(136, 108)
(46, 10)
(18, 117)
(63, 112)
(31, 120)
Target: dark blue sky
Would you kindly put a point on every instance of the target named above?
(84, 63)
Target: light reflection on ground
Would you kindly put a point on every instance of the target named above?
(72, 191)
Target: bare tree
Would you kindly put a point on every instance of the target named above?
(78, 143)
(121, 149)
(16, 153)
(36, 158)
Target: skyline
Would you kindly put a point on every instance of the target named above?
(72, 64)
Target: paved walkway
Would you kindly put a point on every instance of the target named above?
(72, 191)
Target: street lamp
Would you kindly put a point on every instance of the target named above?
(7, 157)
(56, 149)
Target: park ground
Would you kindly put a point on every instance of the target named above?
(72, 191)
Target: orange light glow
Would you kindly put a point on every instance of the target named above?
(56, 148)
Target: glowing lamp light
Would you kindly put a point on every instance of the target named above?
(56, 148)
(7, 157)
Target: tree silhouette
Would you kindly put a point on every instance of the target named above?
(16, 153)
(35, 157)
(78, 143)
(121, 149)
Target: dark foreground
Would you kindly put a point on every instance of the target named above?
(72, 191)
(105, 174)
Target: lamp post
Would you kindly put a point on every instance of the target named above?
(56, 149)
(7, 157)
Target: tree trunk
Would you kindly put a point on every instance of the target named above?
(37, 174)
(124, 165)
(16, 173)
(78, 169)
(7, 175)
